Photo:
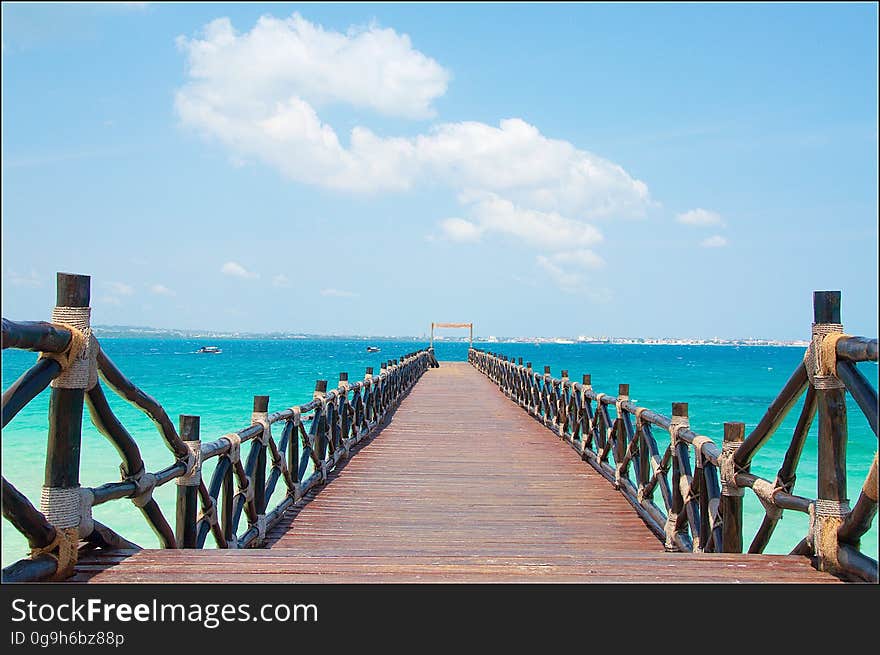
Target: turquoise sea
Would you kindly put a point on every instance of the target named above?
(721, 383)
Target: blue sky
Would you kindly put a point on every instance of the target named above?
(628, 170)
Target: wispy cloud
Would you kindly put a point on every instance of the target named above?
(237, 270)
(161, 290)
(338, 293)
(583, 258)
(281, 281)
(700, 217)
(459, 229)
(119, 288)
(566, 280)
(566, 268)
(715, 241)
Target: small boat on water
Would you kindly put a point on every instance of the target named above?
(373, 349)
(209, 350)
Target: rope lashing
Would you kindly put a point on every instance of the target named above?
(698, 443)
(69, 510)
(209, 513)
(61, 506)
(234, 453)
(296, 419)
(669, 530)
(826, 517)
(64, 549)
(262, 418)
(86, 522)
(618, 404)
(79, 360)
(145, 482)
(639, 411)
(820, 359)
(765, 491)
(837, 508)
(193, 475)
(676, 423)
(729, 469)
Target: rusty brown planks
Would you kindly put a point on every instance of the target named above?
(461, 486)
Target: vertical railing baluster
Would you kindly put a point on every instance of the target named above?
(261, 415)
(188, 484)
(731, 494)
(60, 500)
(832, 503)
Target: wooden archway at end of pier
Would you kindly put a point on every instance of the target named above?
(470, 326)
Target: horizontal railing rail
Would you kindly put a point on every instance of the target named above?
(700, 484)
(315, 437)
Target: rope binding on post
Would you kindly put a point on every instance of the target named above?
(79, 360)
(820, 358)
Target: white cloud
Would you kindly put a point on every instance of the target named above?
(565, 280)
(256, 93)
(545, 230)
(279, 59)
(281, 281)
(562, 267)
(458, 229)
(237, 270)
(120, 288)
(161, 290)
(109, 300)
(700, 217)
(29, 280)
(716, 241)
(583, 258)
(337, 293)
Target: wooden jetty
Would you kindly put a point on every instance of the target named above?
(478, 471)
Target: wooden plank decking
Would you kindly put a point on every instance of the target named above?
(460, 486)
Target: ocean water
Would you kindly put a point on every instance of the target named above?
(720, 383)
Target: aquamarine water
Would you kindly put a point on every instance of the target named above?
(720, 383)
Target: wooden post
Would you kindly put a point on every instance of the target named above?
(320, 430)
(731, 496)
(61, 479)
(620, 433)
(188, 485)
(831, 502)
(261, 408)
(66, 405)
(676, 511)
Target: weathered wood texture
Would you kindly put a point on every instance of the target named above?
(461, 486)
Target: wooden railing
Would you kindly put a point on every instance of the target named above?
(315, 436)
(700, 485)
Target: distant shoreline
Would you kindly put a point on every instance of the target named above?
(132, 332)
